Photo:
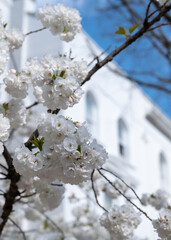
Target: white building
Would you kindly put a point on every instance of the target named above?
(135, 132)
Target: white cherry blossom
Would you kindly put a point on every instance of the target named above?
(4, 128)
(10, 109)
(61, 20)
(162, 225)
(121, 221)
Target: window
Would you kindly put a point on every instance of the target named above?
(163, 171)
(122, 139)
(91, 113)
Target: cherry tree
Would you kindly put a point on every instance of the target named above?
(61, 151)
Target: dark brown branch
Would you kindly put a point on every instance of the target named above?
(147, 11)
(166, 16)
(160, 25)
(12, 193)
(32, 105)
(1, 165)
(25, 196)
(127, 43)
(28, 144)
(53, 111)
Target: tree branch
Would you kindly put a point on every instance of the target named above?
(128, 186)
(127, 43)
(35, 31)
(13, 189)
(28, 144)
(32, 105)
(94, 191)
(128, 199)
(21, 231)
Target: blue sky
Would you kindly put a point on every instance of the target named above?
(101, 28)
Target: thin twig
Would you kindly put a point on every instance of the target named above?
(32, 105)
(4, 174)
(94, 191)
(54, 224)
(163, 24)
(35, 31)
(166, 16)
(151, 14)
(114, 174)
(25, 196)
(58, 185)
(19, 228)
(101, 54)
(128, 199)
(3, 167)
(147, 11)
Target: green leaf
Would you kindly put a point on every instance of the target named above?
(133, 27)
(121, 30)
(169, 207)
(5, 106)
(38, 143)
(35, 154)
(5, 25)
(152, 196)
(46, 224)
(62, 74)
(47, 190)
(65, 30)
(18, 73)
(54, 77)
(79, 148)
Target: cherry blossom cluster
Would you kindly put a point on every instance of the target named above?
(121, 221)
(10, 39)
(86, 224)
(27, 164)
(4, 130)
(50, 195)
(61, 20)
(4, 52)
(9, 109)
(162, 225)
(13, 37)
(56, 81)
(64, 151)
(69, 153)
(158, 200)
